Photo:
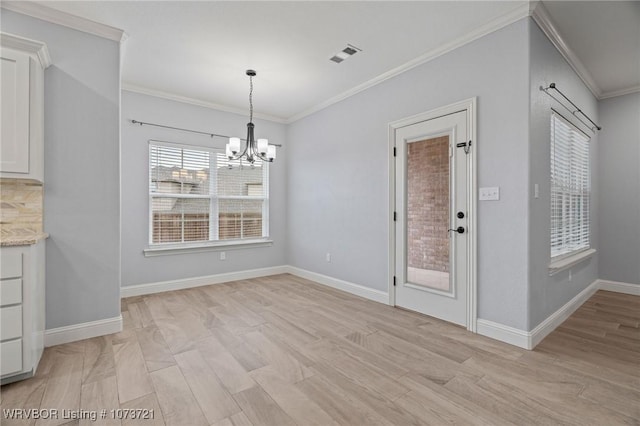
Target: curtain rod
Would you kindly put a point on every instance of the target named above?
(574, 112)
(143, 123)
(569, 121)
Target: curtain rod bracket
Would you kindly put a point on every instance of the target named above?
(573, 112)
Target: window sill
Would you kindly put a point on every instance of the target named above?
(569, 261)
(163, 250)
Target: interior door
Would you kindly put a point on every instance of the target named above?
(432, 217)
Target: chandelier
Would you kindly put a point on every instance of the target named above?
(253, 149)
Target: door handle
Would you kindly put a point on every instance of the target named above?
(459, 230)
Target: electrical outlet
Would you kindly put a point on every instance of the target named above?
(328, 257)
(223, 255)
(490, 193)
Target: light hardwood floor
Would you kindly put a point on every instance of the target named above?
(285, 351)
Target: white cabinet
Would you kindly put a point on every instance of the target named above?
(22, 64)
(14, 71)
(22, 310)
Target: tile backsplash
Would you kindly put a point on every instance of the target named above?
(21, 202)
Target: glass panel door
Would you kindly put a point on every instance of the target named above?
(431, 191)
(428, 210)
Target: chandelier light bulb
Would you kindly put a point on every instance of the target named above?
(234, 145)
(262, 146)
(271, 152)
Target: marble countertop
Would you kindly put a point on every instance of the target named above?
(22, 239)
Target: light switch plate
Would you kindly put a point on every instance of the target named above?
(490, 193)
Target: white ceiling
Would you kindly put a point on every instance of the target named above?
(200, 50)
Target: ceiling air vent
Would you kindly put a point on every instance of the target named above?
(348, 51)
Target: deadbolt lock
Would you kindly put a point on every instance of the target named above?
(460, 215)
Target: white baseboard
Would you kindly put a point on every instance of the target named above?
(529, 339)
(358, 290)
(618, 287)
(543, 329)
(504, 333)
(158, 287)
(85, 330)
(349, 287)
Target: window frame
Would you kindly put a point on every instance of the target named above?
(213, 243)
(565, 260)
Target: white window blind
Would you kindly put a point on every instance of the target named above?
(570, 188)
(197, 194)
(242, 198)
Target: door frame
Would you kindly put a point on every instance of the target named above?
(468, 105)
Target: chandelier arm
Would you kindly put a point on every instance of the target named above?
(260, 155)
(255, 154)
(238, 155)
(241, 153)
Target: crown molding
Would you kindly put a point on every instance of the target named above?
(45, 13)
(502, 21)
(622, 92)
(34, 47)
(534, 8)
(197, 102)
(541, 16)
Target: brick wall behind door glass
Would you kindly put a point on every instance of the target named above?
(428, 204)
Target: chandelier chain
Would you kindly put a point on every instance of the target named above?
(251, 99)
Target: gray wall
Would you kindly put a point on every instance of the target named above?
(138, 269)
(619, 180)
(548, 293)
(82, 197)
(338, 177)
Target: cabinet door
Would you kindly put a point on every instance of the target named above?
(14, 145)
(10, 292)
(11, 261)
(10, 322)
(11, 355)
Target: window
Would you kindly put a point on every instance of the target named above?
(570, 188)
(198, 195)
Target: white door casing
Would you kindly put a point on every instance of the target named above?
(457, 303)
